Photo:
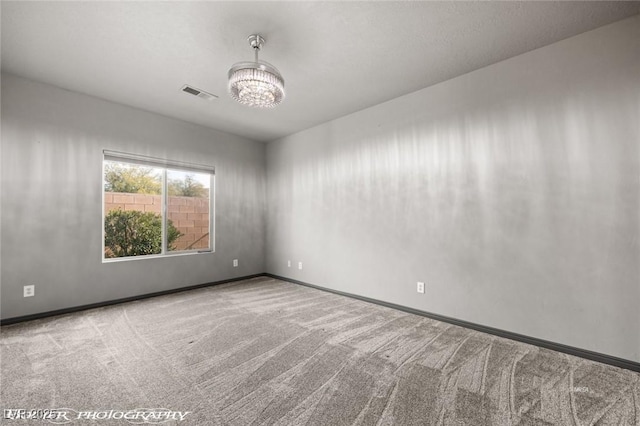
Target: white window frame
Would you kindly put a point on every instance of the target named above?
(165, 164)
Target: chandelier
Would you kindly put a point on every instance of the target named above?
(256, 84)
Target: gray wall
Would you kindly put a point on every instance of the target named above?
(513, 191)
(52, 142)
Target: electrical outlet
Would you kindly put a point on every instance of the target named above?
(420, 287)
(235, 263)
(29, 290)
(288, 264)
(300, 265)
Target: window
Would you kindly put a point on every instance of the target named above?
(154, 207)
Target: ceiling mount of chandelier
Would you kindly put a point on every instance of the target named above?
(258, 83)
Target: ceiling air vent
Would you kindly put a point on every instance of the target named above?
(197, 92)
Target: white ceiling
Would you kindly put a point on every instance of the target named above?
(336, 57)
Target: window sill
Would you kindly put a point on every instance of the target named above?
(155, 256)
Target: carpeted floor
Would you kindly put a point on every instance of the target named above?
(264, 351)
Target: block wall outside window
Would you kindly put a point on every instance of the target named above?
(189, 215)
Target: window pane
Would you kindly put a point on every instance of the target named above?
(188, 210)
(132, 209)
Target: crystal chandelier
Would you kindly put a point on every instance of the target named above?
(256, 84)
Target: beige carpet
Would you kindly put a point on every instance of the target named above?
(264, 351)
